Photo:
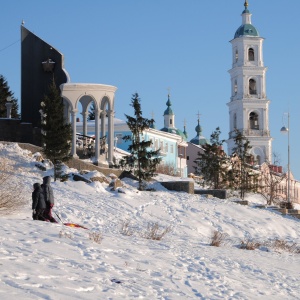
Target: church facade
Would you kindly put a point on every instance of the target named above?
(249, 105)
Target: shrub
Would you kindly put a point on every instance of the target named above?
(218, 238)
(250, 245)
(154, 232)
(285, 246)
(166, 168)
(11, 192)
(125, 229)
(96, 237)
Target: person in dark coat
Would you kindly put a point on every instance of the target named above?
(49, 198)
(38, 203)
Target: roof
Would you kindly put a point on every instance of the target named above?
(199, 140)
(174, 131)
(246, 29)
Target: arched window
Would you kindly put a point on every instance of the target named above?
(236, 55)
(253, 120)
(252, 87)
(235, 87)
(251, 54)
(234, 121)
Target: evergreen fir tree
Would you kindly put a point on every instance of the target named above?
(4, 93)
(242, 176)
(91, 115)
(212, 163)
(56, 133)
(142, 159)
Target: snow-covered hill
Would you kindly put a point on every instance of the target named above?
(40, 260)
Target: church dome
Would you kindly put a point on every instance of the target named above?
(170, 121)
(246, 29)
(199, 139)
(169, 110)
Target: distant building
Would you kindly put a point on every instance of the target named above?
(170, 140)
(249, 105)
(195, 146)
(192, 152)
(199, 139)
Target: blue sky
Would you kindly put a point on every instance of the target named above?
(150, 46)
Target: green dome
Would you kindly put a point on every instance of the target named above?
(169, 110)
(199, 139)
(198, 128)
(246, 29)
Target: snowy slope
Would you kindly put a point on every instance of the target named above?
(40, 260)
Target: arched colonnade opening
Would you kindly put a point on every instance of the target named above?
(82, 96)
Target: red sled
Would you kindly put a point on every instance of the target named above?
(74, 225)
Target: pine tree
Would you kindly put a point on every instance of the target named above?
(56, 133)
(4, 93)
(212, 163)
(142, 159)
(242, 175)
(91, 115)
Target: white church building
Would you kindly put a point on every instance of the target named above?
(249, 104)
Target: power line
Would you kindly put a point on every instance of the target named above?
(10, 45)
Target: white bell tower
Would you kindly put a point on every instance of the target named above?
(249, 106)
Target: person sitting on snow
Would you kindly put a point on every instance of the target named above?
(38, 203)
(49, 198)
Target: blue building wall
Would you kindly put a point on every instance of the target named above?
(167, 142)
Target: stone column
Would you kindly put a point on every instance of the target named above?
(103, 116)
(73, 124)
(110, 127)
(97, 135)
(84, 122)
(8, 109)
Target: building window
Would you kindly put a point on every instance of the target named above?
(162, 146)
(166, 147)
(251, 54)
(156, 144)
(252, 87)
(235, 87)
(236, 55)
(172, 149)
(253, 120)
(234, 121)
(171, 121)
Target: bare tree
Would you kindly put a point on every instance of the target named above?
(271, 179)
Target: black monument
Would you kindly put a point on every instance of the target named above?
(40, 63)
